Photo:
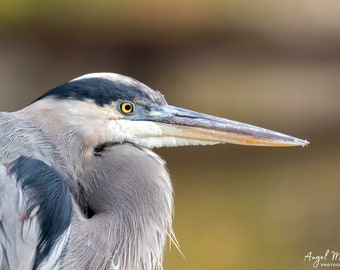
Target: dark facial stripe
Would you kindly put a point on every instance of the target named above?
(104, 92)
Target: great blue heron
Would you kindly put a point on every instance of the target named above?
(80, 187)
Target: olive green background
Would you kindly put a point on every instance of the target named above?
(275, 64)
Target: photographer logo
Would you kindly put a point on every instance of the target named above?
(329, 259)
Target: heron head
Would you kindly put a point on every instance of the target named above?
(117, 109)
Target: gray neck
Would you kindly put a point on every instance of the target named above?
(132, 212)
(67, 129)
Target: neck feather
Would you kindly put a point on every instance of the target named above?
(130, 194)
(73, 126)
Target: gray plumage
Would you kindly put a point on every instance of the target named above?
(80, 187)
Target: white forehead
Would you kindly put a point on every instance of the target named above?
(108, 76)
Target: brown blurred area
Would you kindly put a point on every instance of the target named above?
(274, 64)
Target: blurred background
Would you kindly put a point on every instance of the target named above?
(274, 64)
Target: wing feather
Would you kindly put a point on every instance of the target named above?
(19, 232)
(35, 212)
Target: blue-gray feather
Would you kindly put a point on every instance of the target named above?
(44, 188)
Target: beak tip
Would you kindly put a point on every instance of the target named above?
(304, 143)
(298, 142)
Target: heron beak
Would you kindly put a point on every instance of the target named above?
(185, 124)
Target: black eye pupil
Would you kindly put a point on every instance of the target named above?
(126, 107)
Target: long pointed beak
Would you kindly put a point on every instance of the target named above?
(190, 125)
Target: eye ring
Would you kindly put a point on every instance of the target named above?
(126, 107)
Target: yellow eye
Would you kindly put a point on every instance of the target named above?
(126, 107)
